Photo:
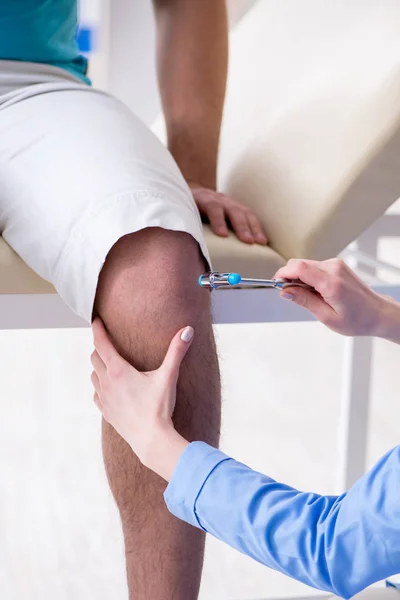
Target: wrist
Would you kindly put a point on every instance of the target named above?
(196, 157)
(388, 322)
(208, 183)
(162, 451)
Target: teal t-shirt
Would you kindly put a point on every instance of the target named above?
(42, 31)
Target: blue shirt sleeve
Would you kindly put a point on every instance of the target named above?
(340, 544)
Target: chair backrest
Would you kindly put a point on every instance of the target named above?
(311, 134)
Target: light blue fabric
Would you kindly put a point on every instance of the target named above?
(340, 544)
(42, 31)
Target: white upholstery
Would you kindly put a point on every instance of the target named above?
(16, 277)
(228, 254)
(311, 137)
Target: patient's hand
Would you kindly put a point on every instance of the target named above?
(140, 405)
(219, 209)
(343, 303)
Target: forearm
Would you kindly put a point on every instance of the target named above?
(192, 68)
(388, 323)
(337, 544)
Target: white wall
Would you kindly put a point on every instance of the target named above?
(131, 64)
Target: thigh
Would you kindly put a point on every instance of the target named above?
(78, 171)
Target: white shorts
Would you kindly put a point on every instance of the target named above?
(77, 172)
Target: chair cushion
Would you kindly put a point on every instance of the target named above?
(16, 277)
(228, 254)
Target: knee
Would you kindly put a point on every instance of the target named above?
(171, 267)
(148, 286)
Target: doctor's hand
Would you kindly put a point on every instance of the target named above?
(343, 302)
(220, 209)
(140, 405)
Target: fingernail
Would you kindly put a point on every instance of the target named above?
(261, 238)
(222, 231)
(287, 296)
(187, 334)
(246, 235)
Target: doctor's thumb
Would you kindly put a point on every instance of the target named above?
(311, 301)
(301, 297)
(178, 347)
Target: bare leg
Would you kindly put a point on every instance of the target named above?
(147, 291)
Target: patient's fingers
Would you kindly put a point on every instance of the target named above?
(238, 218)
(216, 216)
(256, 228)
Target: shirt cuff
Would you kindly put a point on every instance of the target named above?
(194, 467)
